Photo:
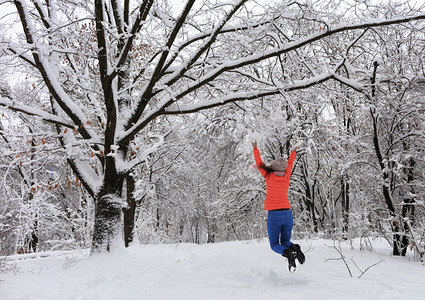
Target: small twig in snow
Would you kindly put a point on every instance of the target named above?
(342, 257)
(310, 248)
(362, 272)
(70, 261)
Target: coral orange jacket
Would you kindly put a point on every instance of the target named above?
(277, 186)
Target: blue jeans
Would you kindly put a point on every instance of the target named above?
(279, 227)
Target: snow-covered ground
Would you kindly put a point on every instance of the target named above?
(232, 270)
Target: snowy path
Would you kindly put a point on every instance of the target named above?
(232, 270)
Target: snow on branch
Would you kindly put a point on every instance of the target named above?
(71, 109)
(137, 25)
(351, 83)
(91, 181)
(349, 27)
(206, 34)
(204, 47)
(241, 96)
(49, 73)
(125, 166)
(170, 106)
(297, 85)
(34, 112)
(21, 55)
(135, 123)
(254, 58)
(170, 41)
(159, 71)
(303, 84)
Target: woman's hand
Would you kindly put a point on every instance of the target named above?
(254, 144)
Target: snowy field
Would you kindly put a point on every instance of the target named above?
(231, 270)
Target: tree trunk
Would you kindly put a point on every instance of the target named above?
(212, 229)
(395, 227)
(309, 201)
(345, 202)
(407, 212)
(309, 198)
(107, 233)
(34, 236)
(31, 240)
(108, 227)
(129, 211)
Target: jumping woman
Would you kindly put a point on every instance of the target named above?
(279, 218)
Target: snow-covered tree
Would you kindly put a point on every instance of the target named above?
(43, 205)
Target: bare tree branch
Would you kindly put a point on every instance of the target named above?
(342, 257)
(35, 112)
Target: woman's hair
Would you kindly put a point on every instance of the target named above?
(268, 169)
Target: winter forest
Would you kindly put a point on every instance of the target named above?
(131, 121)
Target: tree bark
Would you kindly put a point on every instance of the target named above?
(129, 211)
(345, 202)
(108, 228)
(309, 198)
(408, 209)
(107, 233)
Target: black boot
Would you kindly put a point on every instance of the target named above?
(300, 255)
(291, 256)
